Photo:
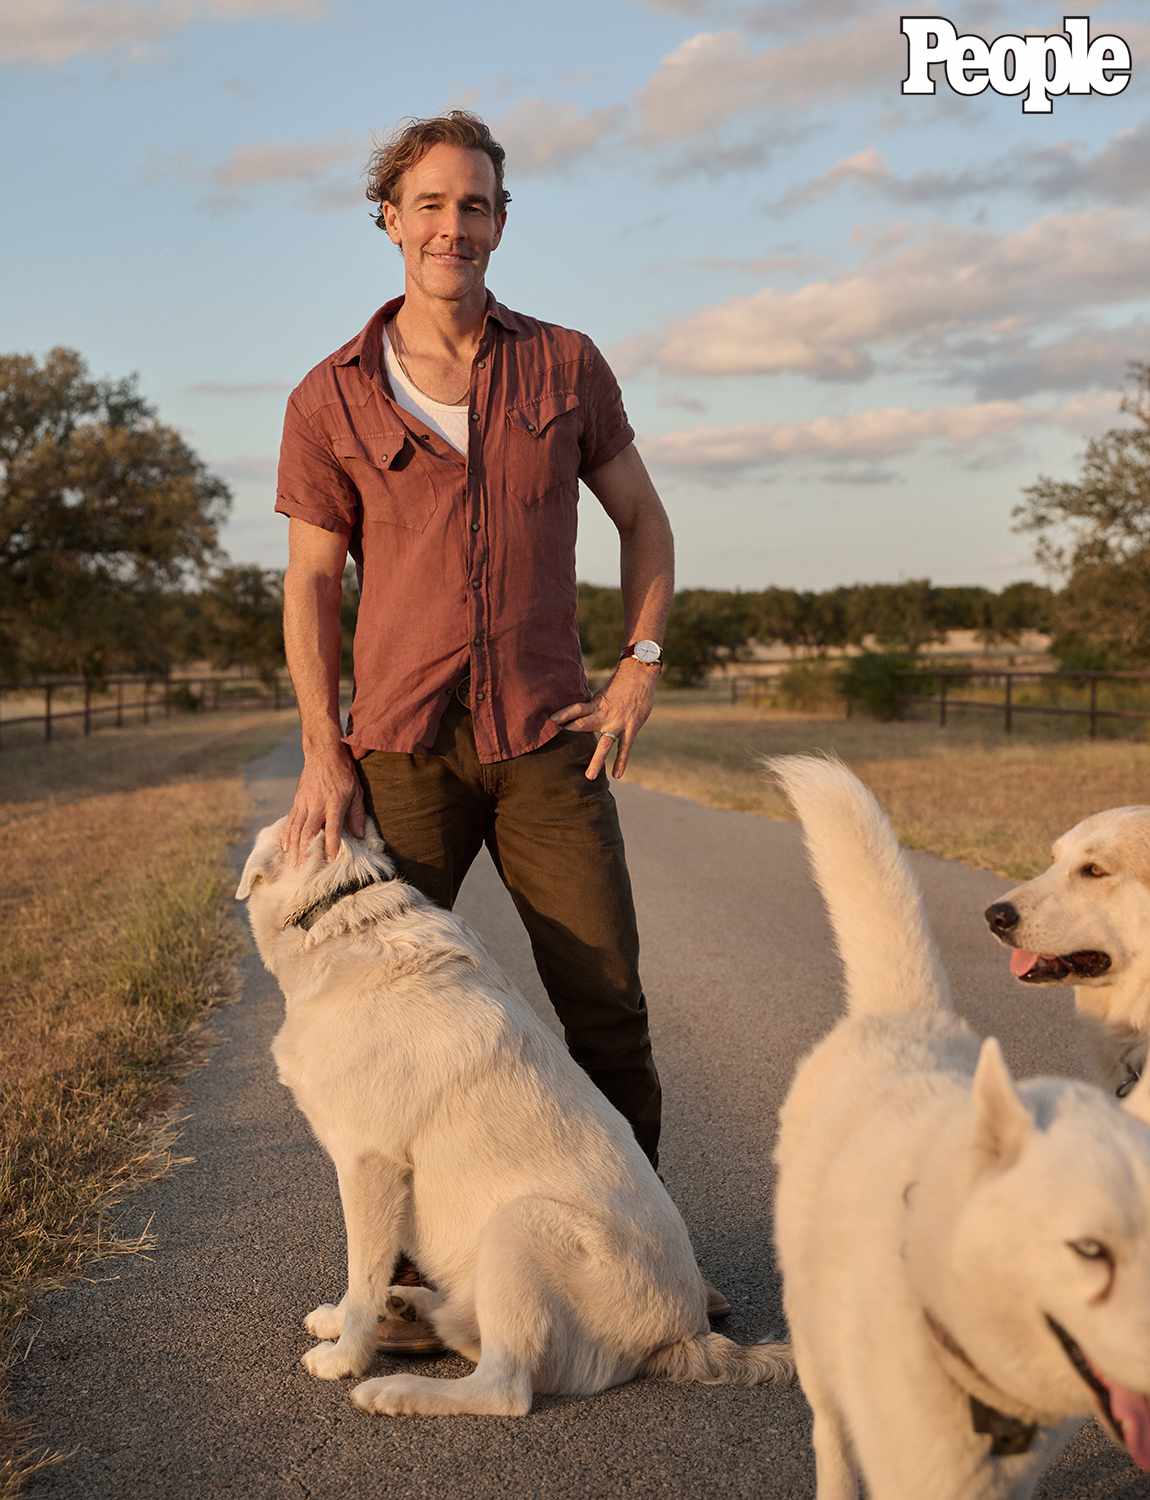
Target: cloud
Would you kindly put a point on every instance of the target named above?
(680, 401)
(541, 136)
(976, 435)
(51, 32)
(258, 165)
(715, 76)
(1091, 356)
(1118, 173)
(246, 469)
(918, 296)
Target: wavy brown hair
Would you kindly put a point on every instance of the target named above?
(411, 143)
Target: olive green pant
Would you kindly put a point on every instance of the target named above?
(555, 839)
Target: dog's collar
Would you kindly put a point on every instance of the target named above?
(1008, 1435)
(308, 916)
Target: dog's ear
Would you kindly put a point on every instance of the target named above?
(261, 863)
(1137, 1101)
(1001, 1120)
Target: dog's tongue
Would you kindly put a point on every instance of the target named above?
(1022, 962)
(1132, 1413)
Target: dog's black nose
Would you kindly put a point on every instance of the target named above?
(1002, 918)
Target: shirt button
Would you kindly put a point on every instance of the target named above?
(483, 364)
(478, 641)
(531, 427)
(475, 416)
(383, 458)
(476, 583)
(480, 697)
(475, 525)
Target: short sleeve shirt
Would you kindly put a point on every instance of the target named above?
(466, 561)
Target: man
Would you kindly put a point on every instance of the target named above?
(443, 447)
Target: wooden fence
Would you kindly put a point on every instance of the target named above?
(139, 700)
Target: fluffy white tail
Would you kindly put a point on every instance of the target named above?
(873, 900)
(710, 1359)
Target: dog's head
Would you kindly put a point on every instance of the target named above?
(280, 892)
(1086, 920)
(1029, 1242)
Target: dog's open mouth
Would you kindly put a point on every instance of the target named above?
(1125, 1412)
(1053, 968)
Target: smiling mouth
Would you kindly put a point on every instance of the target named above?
(1053, 968)
(1126, 1413)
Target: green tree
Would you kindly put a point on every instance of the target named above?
(104, 511)
(242, 609)
(1094, 532)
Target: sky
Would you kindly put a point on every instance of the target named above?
(850, 326)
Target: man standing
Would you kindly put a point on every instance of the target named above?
(443, 446)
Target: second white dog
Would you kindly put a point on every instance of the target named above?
(463, 1133)
(966, 1264)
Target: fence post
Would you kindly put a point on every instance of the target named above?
(276, 689)
(87, 706)
(47, 711)
(1008, 703)
(1094, 707)
(119, 703)
(942, 700)
(168, 693)
(734, 690)
(147, 687)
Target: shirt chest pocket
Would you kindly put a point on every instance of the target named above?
(392, 476)
(543, 447)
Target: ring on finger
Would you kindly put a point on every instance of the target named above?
(605, 734)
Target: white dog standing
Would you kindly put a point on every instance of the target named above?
(1086, 921)
(966, 1264)
(463, 1133)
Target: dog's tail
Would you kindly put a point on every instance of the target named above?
(710, 1359)
(872, 898)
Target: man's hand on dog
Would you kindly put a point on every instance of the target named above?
(621, 710)
(328, 795)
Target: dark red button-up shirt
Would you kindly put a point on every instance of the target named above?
(467, 564)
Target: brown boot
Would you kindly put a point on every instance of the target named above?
(717, 1305)
(400, 1328)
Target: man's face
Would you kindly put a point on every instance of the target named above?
(446, 221)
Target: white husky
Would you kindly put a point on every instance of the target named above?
(463, 1133)
(966, 1265)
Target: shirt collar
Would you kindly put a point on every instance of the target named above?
(366, 349)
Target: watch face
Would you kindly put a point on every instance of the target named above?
(647, 651)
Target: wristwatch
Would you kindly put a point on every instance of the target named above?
(650, 653)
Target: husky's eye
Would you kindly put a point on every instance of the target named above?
(1093, 872)
(1090, 1250)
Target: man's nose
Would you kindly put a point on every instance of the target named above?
(1002, 918)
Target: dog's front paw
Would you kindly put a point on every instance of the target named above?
(325, 1321)
(333, 1361)
(392, 1395)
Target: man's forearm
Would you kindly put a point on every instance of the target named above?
(647, 577)
(312, 645)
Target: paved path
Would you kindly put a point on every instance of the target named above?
(179, 1376)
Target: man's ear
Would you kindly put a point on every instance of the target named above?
(1002, 1122)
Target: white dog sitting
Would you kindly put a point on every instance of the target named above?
(464, 1134)
(966, 1265)
(1086, 922)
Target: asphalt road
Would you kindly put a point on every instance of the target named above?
(178, 1376)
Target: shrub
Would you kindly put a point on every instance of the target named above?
(881, 684)
(808, 686)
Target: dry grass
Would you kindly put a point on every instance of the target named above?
(966, 792)
(116, 942)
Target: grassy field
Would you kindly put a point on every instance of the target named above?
(967, 792)
(117, 939)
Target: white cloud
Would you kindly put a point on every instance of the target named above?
(950, 281)
(541, 135)
(50, 32)
(865, 441)
(257, 165)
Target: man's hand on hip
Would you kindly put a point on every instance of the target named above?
(328, 795)
(616, 715)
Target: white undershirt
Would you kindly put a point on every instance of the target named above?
(449, 421)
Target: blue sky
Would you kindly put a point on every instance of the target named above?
(850, 326)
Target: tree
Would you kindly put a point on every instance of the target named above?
(242, 608)
(104, 512)
(898, 615)
(1095, 533)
